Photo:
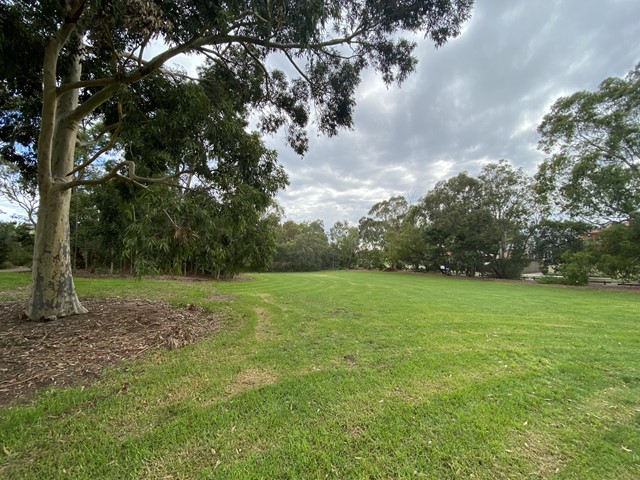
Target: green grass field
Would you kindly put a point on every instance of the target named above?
(354, 375)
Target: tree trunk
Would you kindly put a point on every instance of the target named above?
(53, 292)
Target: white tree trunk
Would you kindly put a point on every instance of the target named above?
(53, 291)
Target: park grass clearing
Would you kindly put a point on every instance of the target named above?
(353, 375)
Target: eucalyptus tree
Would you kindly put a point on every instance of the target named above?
(377, 230)
(553, 239)
(509, 198)
(345, 243)
(301, 247)
(593, 143)
(68, 62)
(455, 215)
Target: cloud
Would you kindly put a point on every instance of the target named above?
(477, 99)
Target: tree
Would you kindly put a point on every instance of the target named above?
(93, 52)
(377, 230)
(16, 244)
(471, 223)
(616, 250)
(345, 242)
(551, 239)
(301, 247)
(14, 188)
(508, 197)
(593, 143)
(455, 218)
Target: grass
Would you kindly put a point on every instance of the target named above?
(354, 375)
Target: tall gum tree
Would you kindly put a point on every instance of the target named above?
(82, 54)
(592, 139)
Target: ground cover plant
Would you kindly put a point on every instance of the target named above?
(352, 375)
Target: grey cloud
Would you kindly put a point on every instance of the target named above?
(477, 99)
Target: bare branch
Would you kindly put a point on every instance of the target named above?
(295, 65)
(131, 176)
(96, 155)
(97, 82)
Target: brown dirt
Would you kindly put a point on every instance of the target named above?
(74, 350)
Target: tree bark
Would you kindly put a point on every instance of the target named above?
(53, 291)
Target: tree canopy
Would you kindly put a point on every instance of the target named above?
(593, 143)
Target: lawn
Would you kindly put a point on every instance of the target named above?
(351, 375)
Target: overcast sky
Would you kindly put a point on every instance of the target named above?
(477, 99)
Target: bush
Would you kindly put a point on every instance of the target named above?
(577, 268)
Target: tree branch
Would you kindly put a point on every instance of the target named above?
(295, 65)
(96, 155)
(97, 82)
(102, 133)
(131, 176)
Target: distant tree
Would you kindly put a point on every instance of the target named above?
(509, 199)
(6, 242)
(18, 191)
(377, 230)
(593, 143)
(479, 224)
(455, 224)
(617, 250)
(551, 239)
(301, 247)
(16, 244)
(345, 244)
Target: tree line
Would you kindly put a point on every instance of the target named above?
(577, 216)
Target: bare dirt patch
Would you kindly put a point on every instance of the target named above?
(263, 326)
(73, 350)
(251, 378)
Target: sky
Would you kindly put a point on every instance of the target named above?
(477, 99)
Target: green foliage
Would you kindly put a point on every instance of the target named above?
(301, 247)
(345, 244)
(577, 267)
(508, 197)
(379, 233)
(617, 250)
(309, 33)
(16, 244)
(479, 224)
(593, 143)
(552, 238)
(195, 232)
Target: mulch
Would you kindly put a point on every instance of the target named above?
(74, 350)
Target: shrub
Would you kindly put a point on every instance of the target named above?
(577, 267)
